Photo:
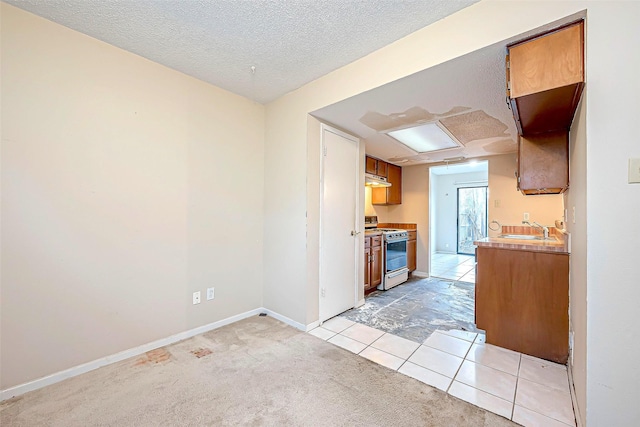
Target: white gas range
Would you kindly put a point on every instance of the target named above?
(394, 264)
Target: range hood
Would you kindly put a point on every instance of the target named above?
(375, 181)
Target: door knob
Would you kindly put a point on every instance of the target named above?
(354, 232)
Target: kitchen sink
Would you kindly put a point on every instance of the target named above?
(523, 237)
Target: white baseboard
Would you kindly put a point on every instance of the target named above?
(136, 351)
(284, 319)
(312, 325)
(419, 273)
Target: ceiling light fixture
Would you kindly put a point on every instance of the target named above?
(426, 138)
(454, 159)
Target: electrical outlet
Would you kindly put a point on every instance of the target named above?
(210, 294)
(496, 203)
(323, 293)
(526, 216)
(196, 297)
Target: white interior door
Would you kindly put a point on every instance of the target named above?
(338, 222)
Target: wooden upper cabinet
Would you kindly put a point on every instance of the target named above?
(394, 193)
(545, 78)
(543, 163)
(389, 195)
(376, 167)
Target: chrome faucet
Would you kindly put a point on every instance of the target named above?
(545, 230)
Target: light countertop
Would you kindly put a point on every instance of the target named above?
(557, 244)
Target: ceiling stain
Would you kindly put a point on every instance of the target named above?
(501, 146)
(474, 125)
(414, 115)
(478, 132)
(407, 159)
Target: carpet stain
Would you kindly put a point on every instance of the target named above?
(201, 352)
(156, 356)
(9, 402)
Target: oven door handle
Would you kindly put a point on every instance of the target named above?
(397, 273)
(401, 239)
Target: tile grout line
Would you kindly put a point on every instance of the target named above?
(515, 392)
(459, 367)
(544, 385)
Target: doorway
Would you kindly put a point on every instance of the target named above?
(472, 218)
(339, 225)
(457, 217)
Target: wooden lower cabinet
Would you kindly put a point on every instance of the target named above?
(522, 301)
(412, 248)
(372, 262)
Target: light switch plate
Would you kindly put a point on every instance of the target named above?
(634, 171)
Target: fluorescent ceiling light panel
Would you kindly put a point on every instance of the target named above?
(425, 138)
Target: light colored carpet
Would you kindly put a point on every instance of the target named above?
(259, 372)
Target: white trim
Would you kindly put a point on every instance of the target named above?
(312, 325)
(284, 319)
(136, 351)
(360, 303)
(419, 273)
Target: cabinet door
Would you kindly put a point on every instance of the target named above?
(376, 265)
(543, 163)
(367, 268)
(411, 254)
(394, 193)
(382, 168)
(547, 62)
(371, 165)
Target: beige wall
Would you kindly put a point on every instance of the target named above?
(612, 206)
(105, 230)
(126, 186)
(577, 196)
(507, 205)
(544, 209)
(286, 261)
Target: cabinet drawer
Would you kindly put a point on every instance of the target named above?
(413, 235)
(376, 241)
(367, 242)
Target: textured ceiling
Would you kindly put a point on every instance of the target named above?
(467, 95)
(290, 42)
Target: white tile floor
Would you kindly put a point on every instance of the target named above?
(530, 391)
(453, 267)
